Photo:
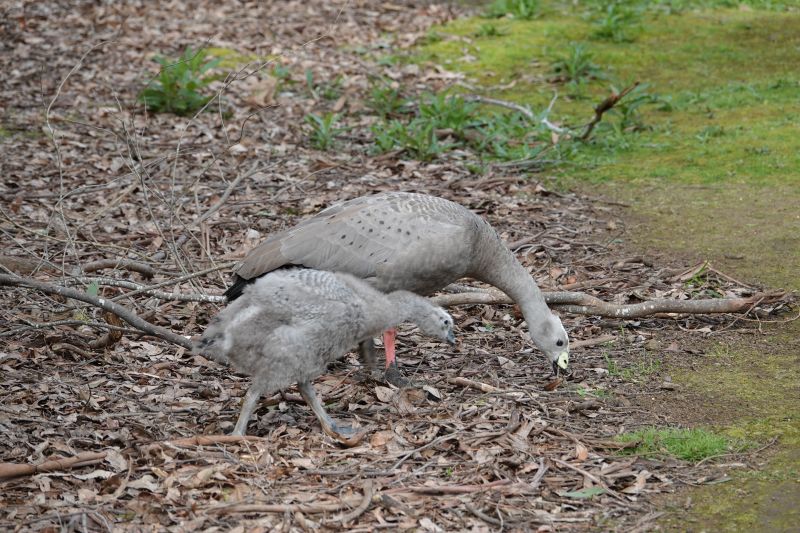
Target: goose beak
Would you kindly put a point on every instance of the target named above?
(451, 338)
(561, 363)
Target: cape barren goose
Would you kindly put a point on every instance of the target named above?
(407, 241)
(290, 324)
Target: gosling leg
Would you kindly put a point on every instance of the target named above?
(248, 406)
(366, 352)
(347, 435)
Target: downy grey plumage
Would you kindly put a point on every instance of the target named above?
(413, 242)
(288, 325)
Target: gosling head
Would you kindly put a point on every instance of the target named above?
(437, 323)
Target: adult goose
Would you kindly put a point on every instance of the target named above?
(290, 324)
(408, 241)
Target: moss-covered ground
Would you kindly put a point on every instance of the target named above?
(709, 165)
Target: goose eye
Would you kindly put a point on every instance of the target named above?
(559, 342)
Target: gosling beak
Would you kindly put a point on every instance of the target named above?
(451, 338)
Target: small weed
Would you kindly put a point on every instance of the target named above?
(628, 109)
(708, 133)
(323, 129)
(177, 88)
(449, 112)
(418, 138)
(577, 66)
(617, 23)
(686, 444)
(640, 370)
(519, 9)
(489, 30)
(385, 100)
(592, 393)
(282, 73)
(612, 366)
(327, 90)
(432, 37)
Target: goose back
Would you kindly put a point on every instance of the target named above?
(394, 241)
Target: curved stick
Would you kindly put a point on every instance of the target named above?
(123, 312)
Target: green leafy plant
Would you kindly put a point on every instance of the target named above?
(385, 100)
(617, 23)
(418, 138)
(323, 129)
(448, 112)
(577, 67)
(519, 9)
(628, 109)
(178, 85)
(327, 90)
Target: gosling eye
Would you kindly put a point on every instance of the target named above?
(559, 342)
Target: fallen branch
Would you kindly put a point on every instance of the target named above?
(369, 492)
(451, 489)
(584, 304)
(310, 508)
(523, 110)
(155, 293)
(127, 264)
(123, 312)
(12, 470)
(468, 383)
(483, 516)
(604, 106)
(200, 440)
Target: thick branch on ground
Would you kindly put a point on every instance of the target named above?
(604, 106)
(584, 304)
(12, 470)
(124, 313)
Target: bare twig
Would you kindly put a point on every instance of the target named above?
(199, 440)
(464, 382)
(174, 281)
(235, 183)
(369, 492)
(483, 516)
(524, 110)
(124, 313)
(604, 106)
(310, 508)
(12, 470)
(452, 489)
(161, 295)
(136, 266)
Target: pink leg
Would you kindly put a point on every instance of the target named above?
(388, 344)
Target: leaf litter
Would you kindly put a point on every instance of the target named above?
(484, 444)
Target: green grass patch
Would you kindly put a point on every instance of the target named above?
(687, 444)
